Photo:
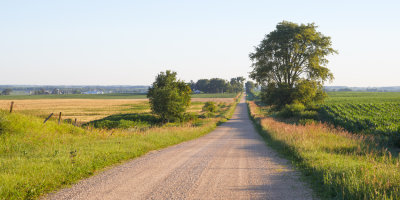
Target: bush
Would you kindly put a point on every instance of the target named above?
(209, 107)
(292, 110)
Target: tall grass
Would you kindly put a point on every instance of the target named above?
(339, 165)
(37, 158)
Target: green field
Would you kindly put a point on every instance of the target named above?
(362, 97)
(105, 96)
(364, 112)
(337, 164)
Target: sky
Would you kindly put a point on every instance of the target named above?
(81, 42)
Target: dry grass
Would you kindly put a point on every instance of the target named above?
(85, 110)
(217, 100)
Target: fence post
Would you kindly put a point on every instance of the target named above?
(75, 122)
(48, 118)
(11, 107)
(59, 118)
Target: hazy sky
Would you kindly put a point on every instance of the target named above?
(128, 42)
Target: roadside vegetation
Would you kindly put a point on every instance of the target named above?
(343, 146)
(37, 157)
(338, 164)
(65, 153)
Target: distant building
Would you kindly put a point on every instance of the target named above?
(93, 92)
(57, 91)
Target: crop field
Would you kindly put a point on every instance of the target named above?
(366, 112)
(105, 96)
(362, 97)
(381, 118)
(85, 110)
(338, 164)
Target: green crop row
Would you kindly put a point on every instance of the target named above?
(375, 118)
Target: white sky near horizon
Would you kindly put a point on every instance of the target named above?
(128, 42)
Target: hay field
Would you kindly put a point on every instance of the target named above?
(85, 110)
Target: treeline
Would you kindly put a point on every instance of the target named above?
(218, 85)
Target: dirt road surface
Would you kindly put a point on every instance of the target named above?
(232, 162)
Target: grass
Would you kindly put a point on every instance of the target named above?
(105, 96)
(338, 164)
(65, 153)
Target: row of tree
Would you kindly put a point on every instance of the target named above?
(6, 92)
(218, 85)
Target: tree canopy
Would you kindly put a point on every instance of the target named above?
(169, 97)
(218, 85)
(290, 63)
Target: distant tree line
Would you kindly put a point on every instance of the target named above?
(6, 92)
(218, 85)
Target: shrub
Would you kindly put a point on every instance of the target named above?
(209, 107)
(292, 110)
(169, 97)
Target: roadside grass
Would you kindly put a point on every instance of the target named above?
(338, 164)
(37, 158)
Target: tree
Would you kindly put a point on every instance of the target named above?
(250, 86)
(236, 84)
(290, 63)
(218, 85)
(6, 91)
(169, 97)
(203, 85)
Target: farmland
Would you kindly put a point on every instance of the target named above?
(337, 163)
(363, 112)
(105, 96)
(85, 110)
(68, 153)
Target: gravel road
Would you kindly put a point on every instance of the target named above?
(232, 162)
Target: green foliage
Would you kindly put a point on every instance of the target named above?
(124, 121)
(209, 106)
(362, 97)
(290, 64)
(6, 92)
(169, 97)
(249, 85)
(375, 118)
(292, 110)
(236, 84)
(218, 85)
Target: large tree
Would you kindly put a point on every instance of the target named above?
(169, 97)
(236, 84)
(218, 85)
(290, 64)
